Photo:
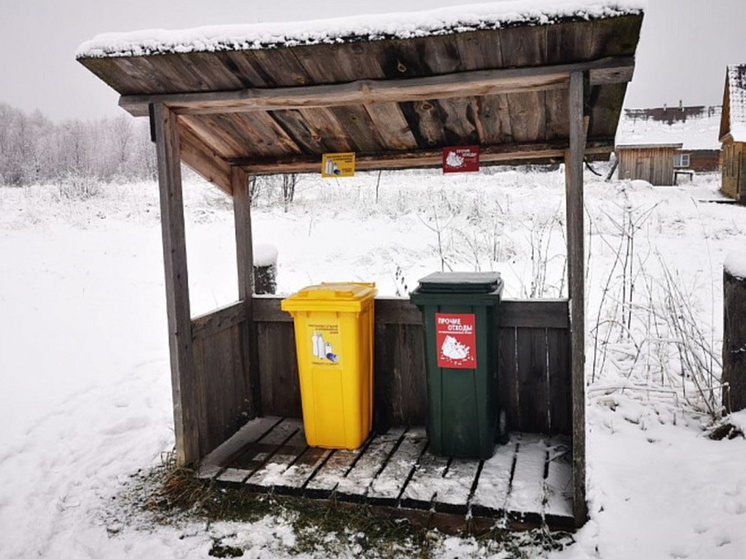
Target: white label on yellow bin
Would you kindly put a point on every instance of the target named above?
(326, 344)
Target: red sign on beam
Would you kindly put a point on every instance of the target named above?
(461, 159)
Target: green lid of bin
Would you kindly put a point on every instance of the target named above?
(461, 282)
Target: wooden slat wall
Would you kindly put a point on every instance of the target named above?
(221, 385)
(534, 364)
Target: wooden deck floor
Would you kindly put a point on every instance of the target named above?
(528, 480)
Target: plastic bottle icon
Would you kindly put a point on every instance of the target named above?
(315, 344)
(320, 346)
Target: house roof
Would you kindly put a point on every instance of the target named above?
(690, 128)
(393, 89)
(734, 104)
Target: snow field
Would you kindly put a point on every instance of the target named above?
(86, 399)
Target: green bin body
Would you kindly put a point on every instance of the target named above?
(459, 312)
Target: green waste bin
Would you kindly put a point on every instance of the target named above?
(459, 311)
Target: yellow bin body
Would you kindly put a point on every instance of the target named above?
(334, 343)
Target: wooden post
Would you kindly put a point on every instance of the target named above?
(245, 261)
(185, 399)
(575, 268)
(734, 341)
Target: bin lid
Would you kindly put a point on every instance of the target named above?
(461, 282)
(337, 297)
(337, 291)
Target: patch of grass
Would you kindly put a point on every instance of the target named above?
(322, 528)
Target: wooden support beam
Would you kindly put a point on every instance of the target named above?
(422, 158)
(245, 264)
(446, 86)
(204, 161)
(576, 275)
(183, 383)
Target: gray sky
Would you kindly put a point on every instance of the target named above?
(683, 50)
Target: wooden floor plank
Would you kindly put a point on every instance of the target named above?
(388, 486)
(454, 489)
(325, 481)
(295, 478)
(419, 492)
(527, 486)
(558, 488)
(214, 463)
(255, 454)
(491, 494)
(355, 484)
(267, 476)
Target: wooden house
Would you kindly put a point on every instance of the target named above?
(660, 145)
(544, 85)
(733, 133)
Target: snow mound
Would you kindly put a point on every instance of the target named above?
(735, 264)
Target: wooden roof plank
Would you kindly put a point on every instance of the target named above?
(243, 65)
(330, 132)
(264, 130)
(424, 123)
(214, 136)
(459, 121)
(493, 113)
(281, 67)
(358, 125)
(389, 116)
(298, 130)
(479, 50)
(557, 115)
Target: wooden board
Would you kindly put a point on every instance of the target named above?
(326, 479)
(558, 483)
(354, 485)
(491, 493)
(422, 486)
(270, 473)
(527, 484)
(388, 486)
(214, 462)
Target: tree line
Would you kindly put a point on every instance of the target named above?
(33, 149)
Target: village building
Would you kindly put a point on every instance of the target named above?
(665, 144)
(733, 133)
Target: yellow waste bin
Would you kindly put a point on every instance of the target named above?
(334, 343)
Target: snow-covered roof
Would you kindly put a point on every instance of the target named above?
(454, 19)
(693, 128)
(737, 101)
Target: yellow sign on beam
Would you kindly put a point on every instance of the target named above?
(338, 165)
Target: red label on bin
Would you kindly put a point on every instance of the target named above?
(455, 341)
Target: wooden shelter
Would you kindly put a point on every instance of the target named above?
(548, 85)
(733, 133)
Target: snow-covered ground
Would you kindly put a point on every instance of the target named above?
(85, 398)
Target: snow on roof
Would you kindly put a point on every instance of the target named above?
(737, 92)
(693, 128)
(454, 19)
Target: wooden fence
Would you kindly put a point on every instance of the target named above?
(534, 367)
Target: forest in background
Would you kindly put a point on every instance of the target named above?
(34, 149)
